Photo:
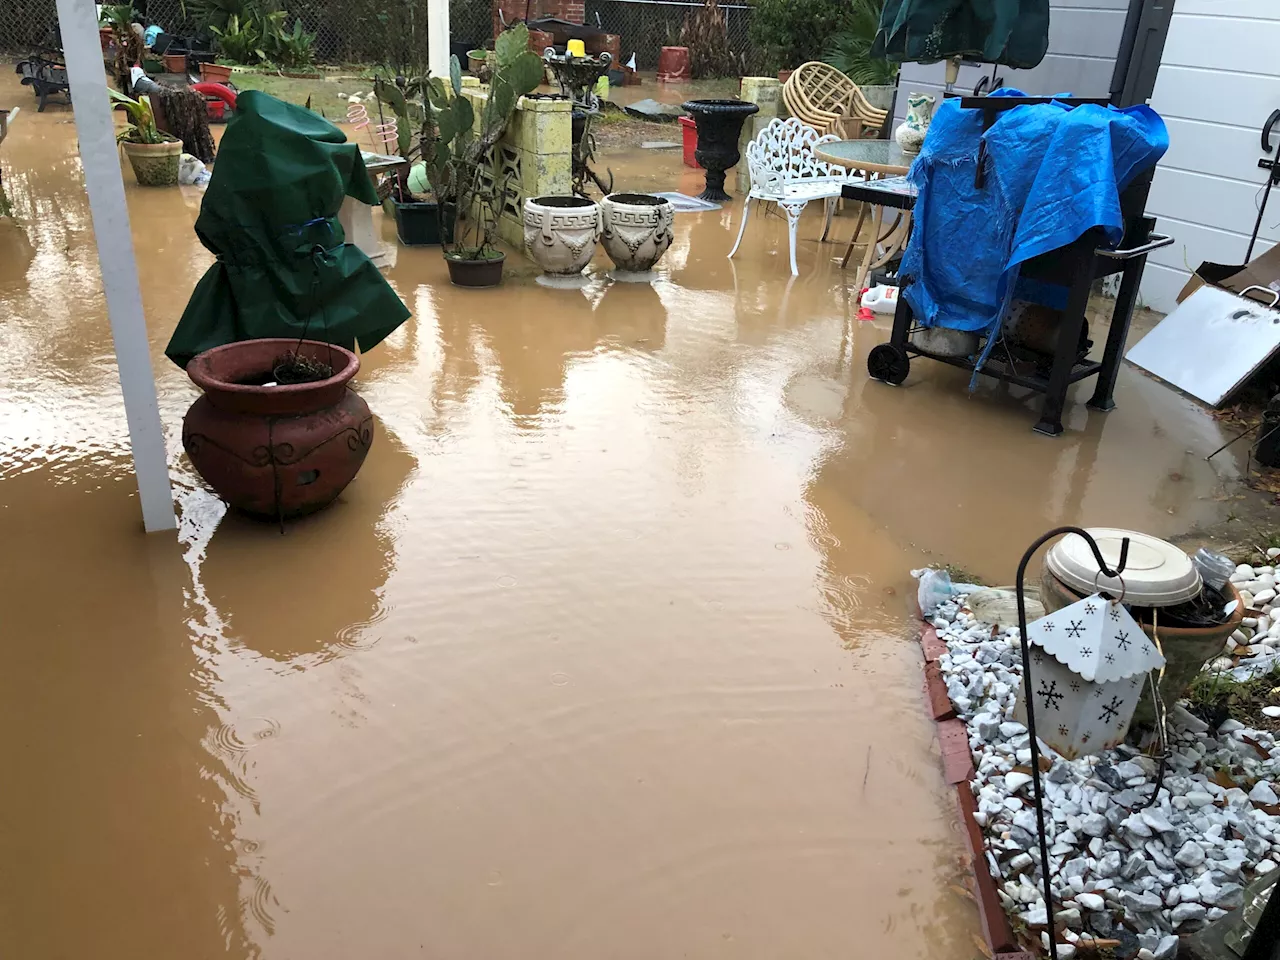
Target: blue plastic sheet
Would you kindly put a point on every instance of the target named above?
(1052, 173)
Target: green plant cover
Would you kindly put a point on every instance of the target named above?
(1012, 32)
(270, 215)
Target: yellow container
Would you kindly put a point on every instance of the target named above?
(576, 48)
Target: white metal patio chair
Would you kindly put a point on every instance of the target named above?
(785, 171)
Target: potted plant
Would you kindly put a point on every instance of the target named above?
(423, 210)
(456, 149)
(153, 155)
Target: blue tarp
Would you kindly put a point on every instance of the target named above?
(1053, 173)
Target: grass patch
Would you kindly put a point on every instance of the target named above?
(323, 93)
(1214, 696)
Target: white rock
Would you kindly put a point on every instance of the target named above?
(1168, 948)
(1090, 901)
(1272, 712)
(1015, 781)
(1191, 854)
(1186, 911)
(1244, 570)
(1266, 596)
(1265, 866)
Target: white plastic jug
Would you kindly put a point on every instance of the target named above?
(881, 298)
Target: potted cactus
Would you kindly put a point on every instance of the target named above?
(154, 155)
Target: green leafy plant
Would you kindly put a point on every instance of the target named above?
(788, 33)
(240, 41)
(458, 141)
(142, 127)
(850, 50)
(290, 48)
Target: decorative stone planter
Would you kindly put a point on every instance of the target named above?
(154, 164)
(719, 125)
(637, 232)
(560, 234)
(912, 131)
(275, 452)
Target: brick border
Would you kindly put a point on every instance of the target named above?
(957, 770)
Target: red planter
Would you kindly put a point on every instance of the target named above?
(609, 43)
(539, 40)
(784, 75)
(214, 73)
(673, 64)
(689, 134)
(282, 451)
(175, 63)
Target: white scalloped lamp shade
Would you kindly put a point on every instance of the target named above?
(1088, 663)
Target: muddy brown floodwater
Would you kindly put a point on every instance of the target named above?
(604, 654)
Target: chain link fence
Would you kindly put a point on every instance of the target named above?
(393, 32)
(646, 26)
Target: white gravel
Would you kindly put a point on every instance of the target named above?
(1160, 870)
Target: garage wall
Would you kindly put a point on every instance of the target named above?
(1084, 36)
(1219, 79)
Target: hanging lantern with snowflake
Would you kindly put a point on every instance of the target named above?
(1088, 663)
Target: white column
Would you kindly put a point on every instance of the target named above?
(438, 37)
(105, 186)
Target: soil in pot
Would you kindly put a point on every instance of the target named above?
(486, 272)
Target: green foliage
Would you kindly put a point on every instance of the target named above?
(117, 16)
(850, 50)
(791, 32)
(291, 49)
(240, 42)
(142, 127)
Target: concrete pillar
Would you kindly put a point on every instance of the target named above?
(767, 92)
(104, 185)
(438, 37)
(536, 153)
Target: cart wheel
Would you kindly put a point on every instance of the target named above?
(888, 363)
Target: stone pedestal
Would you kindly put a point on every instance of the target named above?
(535, 154)
(765, 92)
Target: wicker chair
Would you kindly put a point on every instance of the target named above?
(830, 102)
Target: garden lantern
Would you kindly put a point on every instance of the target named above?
(1089, 661)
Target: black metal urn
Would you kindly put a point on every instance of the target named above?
(719, 126)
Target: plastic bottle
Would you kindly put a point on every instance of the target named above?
(881, 298)
(1215, 569)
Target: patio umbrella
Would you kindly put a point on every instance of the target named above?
(270, 215)
(1012, 32)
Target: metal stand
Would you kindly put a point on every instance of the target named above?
(1075, 266)
(1030, 702)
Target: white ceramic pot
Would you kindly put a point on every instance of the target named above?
(637, 229)
(911, 132)
(560, 233)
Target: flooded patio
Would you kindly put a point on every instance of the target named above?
(605, 653)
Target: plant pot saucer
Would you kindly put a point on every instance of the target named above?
(574, 281)
(631, 276)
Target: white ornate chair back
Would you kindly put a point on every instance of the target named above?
(784, 153)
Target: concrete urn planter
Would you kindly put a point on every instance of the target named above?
(637, 229)
(560, 234)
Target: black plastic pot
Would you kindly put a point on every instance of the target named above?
(419, 223)
(719, 125)
(475, 273)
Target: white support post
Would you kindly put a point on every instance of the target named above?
(105, 186)
(438, 37)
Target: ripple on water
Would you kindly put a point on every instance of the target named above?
(261, 904)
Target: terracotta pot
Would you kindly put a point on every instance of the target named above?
(784, 75)
(154, 164)
(175, 63)
(560, 233)
(637, 229)
(105, 36)
(214, 73)
(673, 64)
(719, 126)
(1186, 649)
(610, 43)
(475, 273)
(275, 452)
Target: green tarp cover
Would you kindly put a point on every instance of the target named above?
(1012, 32)
(270, 215)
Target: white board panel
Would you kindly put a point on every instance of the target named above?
(1212, 201)
(1254, 9)
(1221, 43)
(1213, 95)
(1210, 344)
(1215, 149)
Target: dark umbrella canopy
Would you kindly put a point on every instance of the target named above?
(270, 215)
(1012, 32)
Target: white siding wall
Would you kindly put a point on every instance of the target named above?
(1219, 80)
(1084, 36)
